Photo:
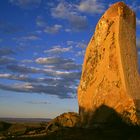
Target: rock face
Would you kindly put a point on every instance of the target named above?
(66, 120)
(110, 79)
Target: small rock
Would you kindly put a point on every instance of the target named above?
(69, 119)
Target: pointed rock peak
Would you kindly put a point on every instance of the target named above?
(119, 9)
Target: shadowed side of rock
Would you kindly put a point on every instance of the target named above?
(104, 116)
(106, 125)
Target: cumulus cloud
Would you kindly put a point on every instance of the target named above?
(40, 21)
(70, 42)
(53, 72)
(58, 49)
(91, 6)
(22, 69)
(135, 6)
(41, 80)
(31, 37)
(50, 29)
(67, 75)
(19, 77)
(27, 61)
(66, 11)
(81, 44)
(55, 75)
(57, 90)
(27, 38)
(16, 87)
(68, 30)
(59, 78)
(53, 29)
(58, 63)
(26, 3)
(66, 66)
(52, 60)
(80, 53)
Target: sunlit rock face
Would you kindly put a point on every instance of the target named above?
(66, 120)
(110, 77)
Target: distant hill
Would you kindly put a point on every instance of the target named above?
(11, 120)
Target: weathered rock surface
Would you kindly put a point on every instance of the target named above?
(65, 120)
(110, 78)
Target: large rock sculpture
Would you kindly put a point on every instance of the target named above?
(110, 80)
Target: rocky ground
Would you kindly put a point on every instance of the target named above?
(17, 130)
(67, 127)
(87, 134)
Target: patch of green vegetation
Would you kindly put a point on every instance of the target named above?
(4, 126)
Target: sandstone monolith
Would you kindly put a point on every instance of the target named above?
(110, 80)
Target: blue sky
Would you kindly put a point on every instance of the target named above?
(42, 45)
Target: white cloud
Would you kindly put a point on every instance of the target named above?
(57, 63)
(58, 49)
(135, 6)
(23, 69)
(33, 88)
(91, 6)
(59, 77)
(31, 37)
(68, 30)
(4, 75)
(27, 61)
(27, 38)
(80, 53)
(53, 29)
(70, 42)
(81, 45)
(67, 11)
(52, 60)
(42, 60)
(40, 21)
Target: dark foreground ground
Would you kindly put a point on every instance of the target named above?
(37, 131)
(89, 134)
